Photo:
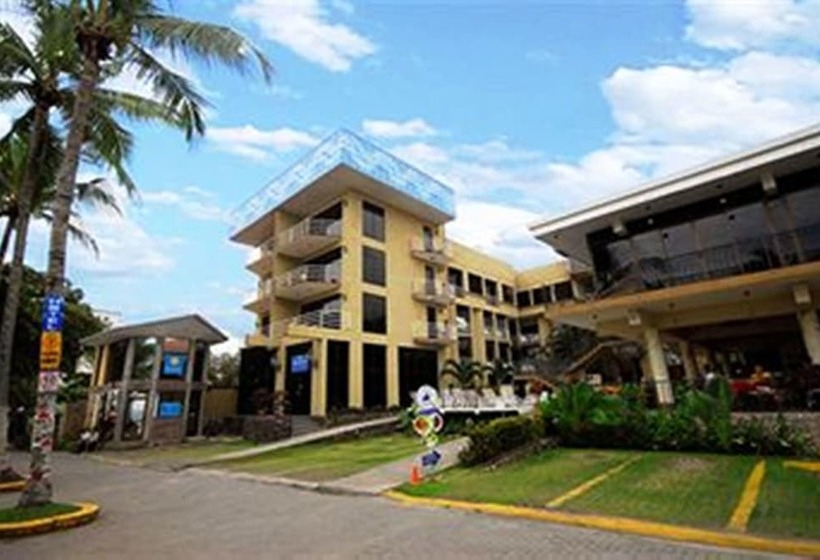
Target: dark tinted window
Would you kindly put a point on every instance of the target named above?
(474, 284)
(507, 293)
(465, 348)
(489, 351)
(455, 277)
(563, 291)
(373, 221)
(539, 296)
(524, 299)
(374, 270)
(491, 287)
(375, 314)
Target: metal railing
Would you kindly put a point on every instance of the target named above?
(317, 227)
(527, 339)
(433, 331)
(430, 246)
(321, 273)
(433, 289)
(744, 256)
(321, 318)
(491, 299)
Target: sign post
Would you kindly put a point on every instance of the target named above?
(428, 421)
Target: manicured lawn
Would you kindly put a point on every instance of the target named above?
(16, 515)
(789, 503)
(533, 481)
(687, 489)
(179, 453)
(330, 460)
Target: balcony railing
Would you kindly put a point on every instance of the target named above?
(433, 334)
(432, 251)
(257, 298)
(528, 339)
(308, 280)
(308, 236)
(321, 318)
(433, 293)
(259, 259)
(492, 299)
(732, 259)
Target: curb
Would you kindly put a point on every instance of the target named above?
(87, 513)
(273, 480)
(15, 486)
(624, 525)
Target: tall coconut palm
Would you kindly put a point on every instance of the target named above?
(119, 34)
(468, 374)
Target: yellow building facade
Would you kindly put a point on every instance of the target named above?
(361, 296)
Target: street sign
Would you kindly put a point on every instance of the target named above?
(53, 313)
(49, 382)
(51, 350)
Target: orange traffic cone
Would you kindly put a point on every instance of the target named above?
(415, 475)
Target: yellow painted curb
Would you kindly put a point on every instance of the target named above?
(748, 499)
(12, 486)
(590, 484)
(87, 513)
(624, 525)
(811, 466)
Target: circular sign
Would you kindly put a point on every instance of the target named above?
(427, 398)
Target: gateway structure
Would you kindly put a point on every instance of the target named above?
(360, 294)
(721, 262)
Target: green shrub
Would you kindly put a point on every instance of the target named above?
(493, 439)
(754, 436)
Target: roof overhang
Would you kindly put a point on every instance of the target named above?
(567, 233)
(344, 161)
(186, 326)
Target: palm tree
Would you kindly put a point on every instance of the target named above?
(112, 35)
(499, 373)
(467, 373)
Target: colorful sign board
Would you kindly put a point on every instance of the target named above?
(170, 409)
(51, 350)
(300, 364)
(174, 365)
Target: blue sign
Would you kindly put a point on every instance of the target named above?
(174, 364)
(300, 363)
(170, 410)
(430, 459)
(53, 313)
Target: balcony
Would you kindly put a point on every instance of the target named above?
(308, 237)
(430, 251)
(433, 334)
(433, 293)
(308, 280)
(260, 260)
(258, 300)
(732, 259)
(529, 339)
(309, 324)
(502, 334)
(257, 339)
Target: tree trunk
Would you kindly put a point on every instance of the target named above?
(4, 243)
(38, 488)
(15, 278)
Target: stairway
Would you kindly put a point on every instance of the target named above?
(304, 424)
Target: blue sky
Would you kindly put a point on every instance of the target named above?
(526, 109)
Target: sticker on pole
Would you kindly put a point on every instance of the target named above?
(53, 313)
(51, 350)
(48, 382)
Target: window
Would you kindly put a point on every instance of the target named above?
(455, 277)
(465, 348)
(489, 351)
(374, 318)
(524, 299)
(563, 291)
(326, 313)
(491, 288)
(474, 284)
(373, 221)
(504, 352)
(373, 266)
(539, 296)
(374, 374)
(507, 294)
(488, 323)
(463, 320)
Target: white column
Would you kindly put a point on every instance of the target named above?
(189, 377)
(657, 365)
(810, 327)
(689, 366)
(122, 402)
(153, 396)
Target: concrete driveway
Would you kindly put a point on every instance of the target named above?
(154, 515)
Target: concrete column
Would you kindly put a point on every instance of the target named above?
(392, 375)
(201, 420)
(153, 395)
(689, 365)
(810, 327)
(657, 365)
(123, 396)
(318, 386)
(355, 375)
(189, 376)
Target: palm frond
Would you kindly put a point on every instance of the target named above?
(76, 232)
(15, 55)
(94, 193)
(205, 41)
(139, 108)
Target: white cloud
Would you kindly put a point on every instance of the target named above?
(253, 143)
(193, 202)
(396, 129)
(738, 26)
(303, 26)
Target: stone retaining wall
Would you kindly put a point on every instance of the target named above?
(809, 421)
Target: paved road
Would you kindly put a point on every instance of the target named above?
(156, 515)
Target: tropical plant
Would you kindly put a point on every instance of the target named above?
(499, 373)
(467, 374)
(578, 411)
(223, 370)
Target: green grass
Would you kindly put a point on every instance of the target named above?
(788, 504)
(179, 453)
(329, 461)
(688, 489)
(16, 515)
(533, 481)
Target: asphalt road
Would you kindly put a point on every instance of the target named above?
(152, 515)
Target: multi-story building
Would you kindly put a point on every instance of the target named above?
(360, 295)
(720, 263)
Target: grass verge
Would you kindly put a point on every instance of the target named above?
(789, 503)
(324, 461)
(533, 481)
